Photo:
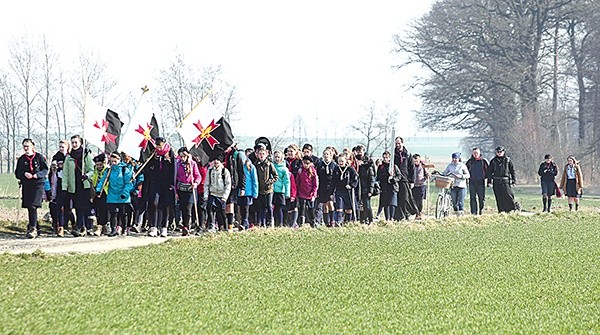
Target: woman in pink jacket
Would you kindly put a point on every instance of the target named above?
(307, 185)
(188, 178)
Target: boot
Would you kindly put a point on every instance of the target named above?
(549, 204)
(60, 232)
(545, 202)
(98, 231)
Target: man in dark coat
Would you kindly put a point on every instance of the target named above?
(501, 173)
(31, 171)
(406, 202)
(477, 167)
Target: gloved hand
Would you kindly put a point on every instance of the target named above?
(348, 187)
(84, 177)
(123, 196)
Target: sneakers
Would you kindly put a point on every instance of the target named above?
(163, 232)
(61, 232)
(119, 230)
(153, 232)
(136, 229)
(32, 233)
(98, 231)
(78, 232)
(127, 231)
(185, 231)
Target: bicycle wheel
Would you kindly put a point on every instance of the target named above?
(439, 207)
(447, 204)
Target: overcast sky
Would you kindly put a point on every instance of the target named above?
(325, 59)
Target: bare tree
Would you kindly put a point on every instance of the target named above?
(49, 80)
(375, 126)
(9, 112)
(23, 61)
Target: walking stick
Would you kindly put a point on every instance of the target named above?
(195, 194)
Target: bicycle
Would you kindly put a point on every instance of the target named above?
(443, 204)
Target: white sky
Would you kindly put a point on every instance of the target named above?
(288, 58)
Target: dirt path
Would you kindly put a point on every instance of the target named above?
(80, 245)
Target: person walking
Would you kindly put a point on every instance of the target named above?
(457, 170)
(188, 178)
(388, 178)
(119, 178)
(477, 167)
(571, 182)
(501, 173)
(406, 202)
(31, 171)
(77, 172)
(216, 191)
(419, 189)
(547, 171)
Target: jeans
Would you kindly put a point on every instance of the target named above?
(458, 198)
(476, 192)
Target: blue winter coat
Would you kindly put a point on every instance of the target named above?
(119, 184)
(251, 189)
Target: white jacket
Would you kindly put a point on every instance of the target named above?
(459, 172)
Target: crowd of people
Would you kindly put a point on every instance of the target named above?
(256, 187)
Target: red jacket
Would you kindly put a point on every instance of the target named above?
(307, 183)
(293, 189)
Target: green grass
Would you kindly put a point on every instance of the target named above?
(478, 275)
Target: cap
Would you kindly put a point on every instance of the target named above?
(499, 148)
(456, 155)
(100, 158)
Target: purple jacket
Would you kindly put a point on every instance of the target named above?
(191, 176)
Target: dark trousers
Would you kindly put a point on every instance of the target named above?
(476, 196)
(366, 215)
(419, 193)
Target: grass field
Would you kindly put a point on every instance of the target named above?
(477, 275)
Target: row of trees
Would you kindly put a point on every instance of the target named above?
(520, 73)
(42, 94)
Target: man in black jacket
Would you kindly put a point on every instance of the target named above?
(477, 167)
(547, 171)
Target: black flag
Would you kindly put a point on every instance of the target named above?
(113, 130)
(154, 133)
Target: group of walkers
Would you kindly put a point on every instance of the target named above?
(255, 187)
(499, 173)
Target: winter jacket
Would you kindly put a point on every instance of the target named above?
(325, 173)
(421, 175)
(38, 166)
(547, 171)
(307, 183)
(217, 183)
(477, 168)
(578, 178)
(293, 165)
(97, 176)
(344, 176)
(119, 183)
(69, 178)
(192, 176)
(282, 185)
(403, 159)
(161, 168)
(203, 171)
(459, 172)
(501, 168)
(251, 182)
(366, 176)
(234, 162)
(386, 183)
(267, 176)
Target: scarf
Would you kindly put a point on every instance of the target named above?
(165, 149)
(30, 161)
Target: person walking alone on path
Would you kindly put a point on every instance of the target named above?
(31, 171)
(547, 171)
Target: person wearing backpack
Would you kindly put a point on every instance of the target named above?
(501, 173)
(217, 187)
(267, 176)
(118, 198)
